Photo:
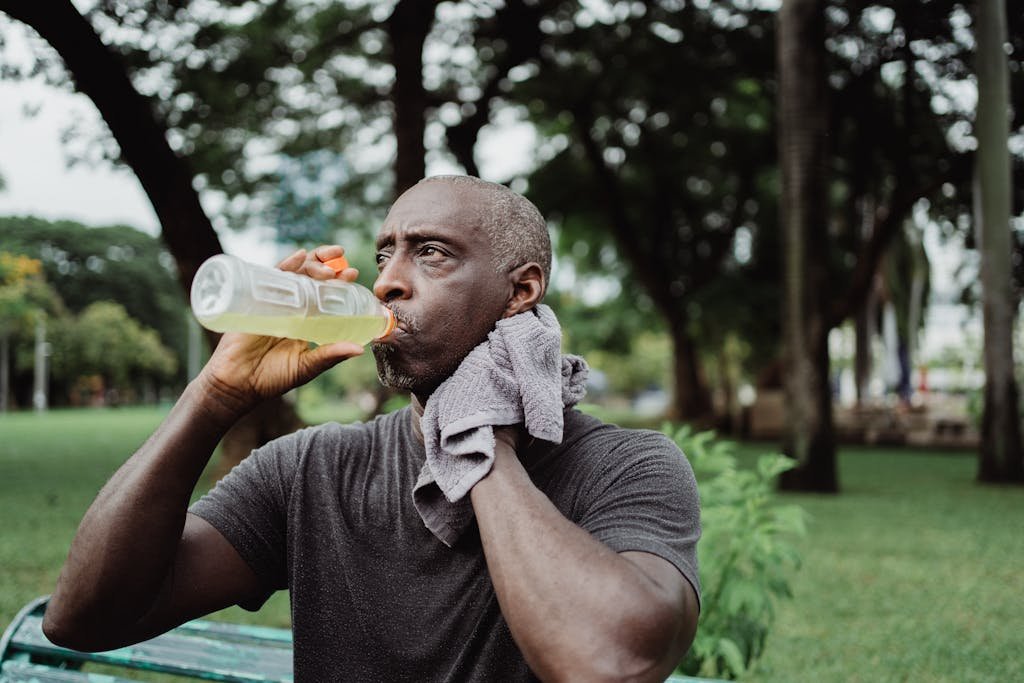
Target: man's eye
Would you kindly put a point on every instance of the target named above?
(430, 251)
(381, 258)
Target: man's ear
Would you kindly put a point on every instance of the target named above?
(528, 287)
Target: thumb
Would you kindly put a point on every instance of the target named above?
(325, 357)
(320, 359)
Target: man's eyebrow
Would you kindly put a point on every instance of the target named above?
(416, 236)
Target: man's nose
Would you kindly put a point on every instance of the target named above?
(392, 282)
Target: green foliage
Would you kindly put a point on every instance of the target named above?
(647, 364)
(116, 263)
(746, 553)
(24, 293)
(650, 184)
(105, 341)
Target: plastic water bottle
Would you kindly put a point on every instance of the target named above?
(232, 295)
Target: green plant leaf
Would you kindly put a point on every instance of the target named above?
(732, 655)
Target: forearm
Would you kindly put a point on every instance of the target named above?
(127, 540)
(577, 609)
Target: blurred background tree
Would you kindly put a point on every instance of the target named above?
(803, 162)
(1001, 457)
(116, 263)
(72, 275)
(105, 355)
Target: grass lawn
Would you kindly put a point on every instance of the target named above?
(51, 467)
(913, 573)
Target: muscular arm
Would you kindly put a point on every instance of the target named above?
(577, 609)
(139, 563)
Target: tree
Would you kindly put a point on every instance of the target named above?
(802, 129)
(408, 27)
(1000, 456)
(287, 78)
(99, 73)
(105, 341)
(662, 176)
(115, 263)
(621, 156)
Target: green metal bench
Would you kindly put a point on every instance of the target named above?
(200, 649)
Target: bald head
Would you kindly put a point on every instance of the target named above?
(514, 226)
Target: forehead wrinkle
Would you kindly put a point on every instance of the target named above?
(424, 232)
(439, 211)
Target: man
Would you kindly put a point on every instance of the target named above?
(581, 562)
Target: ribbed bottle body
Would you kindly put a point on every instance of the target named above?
(232, 295)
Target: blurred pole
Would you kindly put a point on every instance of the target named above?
(39, 383)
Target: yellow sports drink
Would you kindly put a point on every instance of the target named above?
(321, 329)
(232, 295)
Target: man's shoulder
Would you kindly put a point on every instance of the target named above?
(582, 430)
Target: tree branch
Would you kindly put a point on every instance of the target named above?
(887, 220)
(99, 74)
(517, 24)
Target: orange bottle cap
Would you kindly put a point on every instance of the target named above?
(338, 264)
(391, 324)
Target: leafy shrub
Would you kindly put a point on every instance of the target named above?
(746, 553)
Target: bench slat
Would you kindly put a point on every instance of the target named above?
(239, 633)
(187, 653)
(15, 671)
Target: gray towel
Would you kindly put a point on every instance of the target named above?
(518, 375)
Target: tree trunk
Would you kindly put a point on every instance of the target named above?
(1000, 457)
(866, 310)
(101, 75)
(691, 398)
(864, 330)
(802, 154)
(518, 24)
(408, 27)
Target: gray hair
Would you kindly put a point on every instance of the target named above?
(515, 227)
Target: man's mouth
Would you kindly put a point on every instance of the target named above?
(404, 326)
(406, 323)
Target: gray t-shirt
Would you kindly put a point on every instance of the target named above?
(328, 513)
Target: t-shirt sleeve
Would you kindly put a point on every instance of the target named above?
(249, 508)
(643, 497)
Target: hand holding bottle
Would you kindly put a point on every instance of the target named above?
(247, 368)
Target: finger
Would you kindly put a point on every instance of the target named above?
(294, 261)
(342, 349)
(323, 358)
(349, 274)
(317, 270)
(317, 263)
(328, 262)
(327, 252)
